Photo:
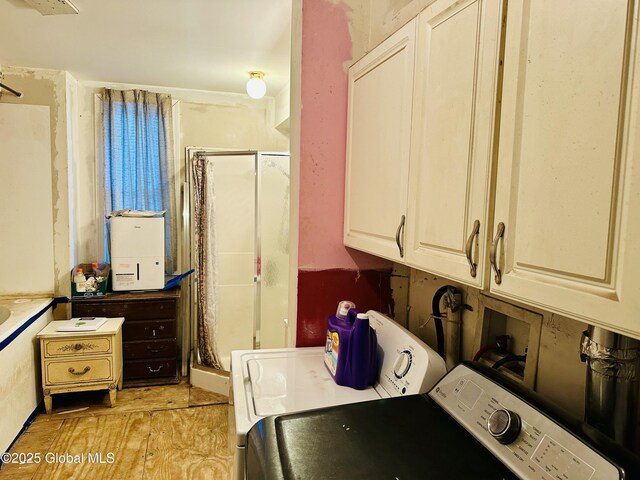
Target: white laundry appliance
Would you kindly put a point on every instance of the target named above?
(276, 381)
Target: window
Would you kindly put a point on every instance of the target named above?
(139, 167)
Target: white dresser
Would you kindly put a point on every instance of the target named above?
(81, 361)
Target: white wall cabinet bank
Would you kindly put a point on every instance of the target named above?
(378, 136)
(427, 143)
(567, 204)
(81, 361)
(545, 155)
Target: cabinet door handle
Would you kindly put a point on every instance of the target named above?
(398, 241)
(468, 249)
(72, 370)
(154, 370)
(493, 251)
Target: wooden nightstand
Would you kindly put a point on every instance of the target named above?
(81, 361)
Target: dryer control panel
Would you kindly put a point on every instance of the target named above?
(531, 444)
(407, 365)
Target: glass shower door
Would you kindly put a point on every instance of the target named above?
(273, 285)
(245, 276)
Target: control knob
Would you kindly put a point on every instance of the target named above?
(403, 364)
(504, 425)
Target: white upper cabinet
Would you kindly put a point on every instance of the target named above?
(457, 73)
(568, 184)
(378, 142)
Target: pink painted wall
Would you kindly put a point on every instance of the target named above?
(326, 49)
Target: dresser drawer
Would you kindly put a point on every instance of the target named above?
(148, 330)
(133, 310)
(77, 346)
(140, 349)
(78, 370)
(150, 368)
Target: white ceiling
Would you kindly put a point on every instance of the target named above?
(193, 44)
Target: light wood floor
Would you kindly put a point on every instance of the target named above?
(154, 433)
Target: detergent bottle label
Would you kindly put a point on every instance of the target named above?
(331, 351)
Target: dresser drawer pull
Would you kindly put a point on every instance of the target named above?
(155, 350)
(153, 331)
(72, 371)
(154, 370)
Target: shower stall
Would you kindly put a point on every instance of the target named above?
(236, 219)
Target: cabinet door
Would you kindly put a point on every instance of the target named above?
(457, 73)
(568, 186)
(378, 135)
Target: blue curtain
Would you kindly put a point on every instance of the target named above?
(138, 158)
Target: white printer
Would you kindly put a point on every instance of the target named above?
(137, 252)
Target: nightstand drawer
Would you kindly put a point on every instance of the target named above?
(79, 370)
(77, 346)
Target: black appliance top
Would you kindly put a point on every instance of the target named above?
(414, 437)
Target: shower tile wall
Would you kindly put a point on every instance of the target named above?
(234, 185)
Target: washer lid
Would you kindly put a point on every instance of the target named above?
(289, 382)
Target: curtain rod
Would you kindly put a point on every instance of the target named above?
(9, 89)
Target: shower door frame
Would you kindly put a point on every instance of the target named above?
(190, 339)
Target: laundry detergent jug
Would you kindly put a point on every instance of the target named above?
(351, 351)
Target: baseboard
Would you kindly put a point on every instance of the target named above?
(210, 379)
(28, 422)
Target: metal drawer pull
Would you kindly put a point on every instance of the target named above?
(153, 330)
(156, 370)
(72, 370)
(398, 242)
(468, 249)
(493, 251)
(155, 350)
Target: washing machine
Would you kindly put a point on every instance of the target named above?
(280, 381)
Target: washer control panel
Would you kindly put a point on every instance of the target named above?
(407, 365)
(531, 444)
(403, 364)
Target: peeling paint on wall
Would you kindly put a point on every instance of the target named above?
(387, 16)
(326, 47)
(48, 87)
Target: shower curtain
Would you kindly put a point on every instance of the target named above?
(207, 261)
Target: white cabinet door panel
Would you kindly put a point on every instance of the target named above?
(567, 185)
(378, 142)
(457, 72)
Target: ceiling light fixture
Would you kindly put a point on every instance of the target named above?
(256, 88)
